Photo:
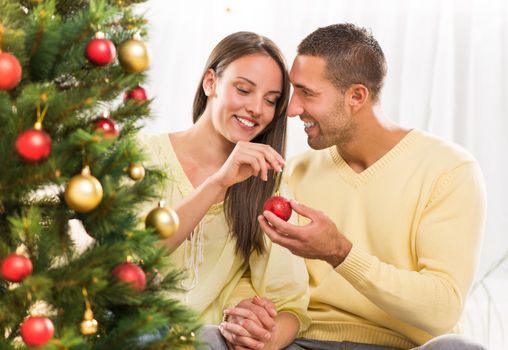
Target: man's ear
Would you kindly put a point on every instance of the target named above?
(209, 81)
(357, 95)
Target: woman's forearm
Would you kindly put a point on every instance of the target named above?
(193, 208)
(286, 330)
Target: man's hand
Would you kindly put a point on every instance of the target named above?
(320, 239)
(250, 324)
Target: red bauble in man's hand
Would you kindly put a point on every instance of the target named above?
(280, 206)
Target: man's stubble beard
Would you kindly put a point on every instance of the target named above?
(340, 131)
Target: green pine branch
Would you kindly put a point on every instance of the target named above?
(49, 37)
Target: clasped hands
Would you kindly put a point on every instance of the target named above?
(250, 325)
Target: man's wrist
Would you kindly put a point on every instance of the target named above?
(343, 249)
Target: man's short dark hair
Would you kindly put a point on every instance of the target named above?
(352, 56)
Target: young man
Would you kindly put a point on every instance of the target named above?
(391, 219)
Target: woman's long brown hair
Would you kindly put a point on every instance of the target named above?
(244, 201)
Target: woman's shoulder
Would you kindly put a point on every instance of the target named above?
(150, 142)
(156, 148)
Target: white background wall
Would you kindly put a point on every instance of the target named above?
(447, 73)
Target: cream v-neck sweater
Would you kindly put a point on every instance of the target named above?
(213, 270)
(415, 219)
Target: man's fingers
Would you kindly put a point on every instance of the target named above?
(280, 226)
(303, 210)
(267, 228)
(276, 237)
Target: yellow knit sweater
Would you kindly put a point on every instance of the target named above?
(415, 219)
(213, 270)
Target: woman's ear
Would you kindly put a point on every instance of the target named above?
(209, 81)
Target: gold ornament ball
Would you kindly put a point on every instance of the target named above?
(83, 192)
(136, 171)
(134, 55)
(164, 220)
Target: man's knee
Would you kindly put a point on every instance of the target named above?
(451, 342)
(210, 339)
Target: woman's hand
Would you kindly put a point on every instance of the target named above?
(250, 324)
(248, 159)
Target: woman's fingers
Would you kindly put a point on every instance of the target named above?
(248, 159)
(267, 304)
(262, 162)
(267, 157)
(238, 336)
(272, 156)
(256, 312)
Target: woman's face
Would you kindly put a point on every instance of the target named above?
(244, 97)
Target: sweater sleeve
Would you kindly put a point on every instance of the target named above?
(447, 245)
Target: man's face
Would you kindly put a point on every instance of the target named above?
(319, 103)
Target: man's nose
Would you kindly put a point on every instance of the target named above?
(295, 108)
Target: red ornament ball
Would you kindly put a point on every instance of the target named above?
(16, 267)
(280, 206)
(33, 145)
(37, 331)
(132, 274)
(10, 71)
(100, 51)
(108, 127)
(138, 93)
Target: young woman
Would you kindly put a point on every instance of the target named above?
(222, 170)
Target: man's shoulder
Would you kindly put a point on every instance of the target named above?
(436, 149)
(306, 161)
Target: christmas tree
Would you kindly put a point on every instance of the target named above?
(71, 103)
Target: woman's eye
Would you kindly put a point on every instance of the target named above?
(242, 91)
(271, 102)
